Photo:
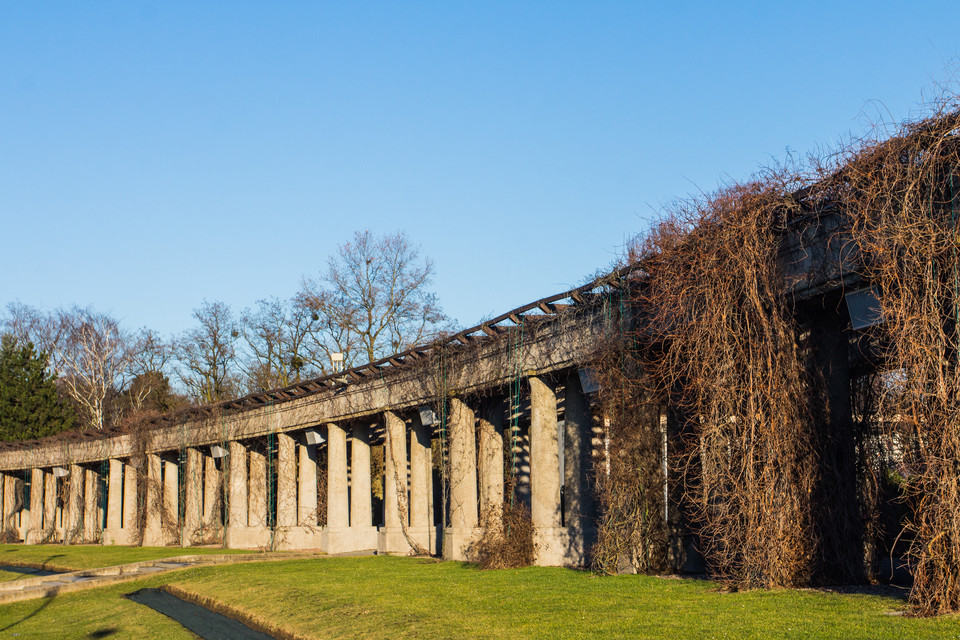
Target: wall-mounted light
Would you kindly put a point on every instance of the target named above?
(864, 307)
(313, 437)
(60, 472)
(217, 452)
(427, 417)
(589, 381)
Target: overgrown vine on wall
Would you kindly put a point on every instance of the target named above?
(902, 198)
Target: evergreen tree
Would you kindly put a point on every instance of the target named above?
(29, 404)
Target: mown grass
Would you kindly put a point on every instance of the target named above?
(99, 613)
(410, 598)
(59, 557)
(6, 576)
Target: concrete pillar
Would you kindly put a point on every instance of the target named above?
(395, 518)
(307, 487)
(153, 505)
(171, 500)
(212, 493)
(257, 488)
(9, 502)
(73, 506)
(131, 520)
(361, 497)
(421, 517)
(286, 481)
(91, 511)
(577, 497)
(337, 537)
(4, 505)
(247, 503)
(192, 496)
(549, 537)
(338, 506)
(35, 532)
(835, 440)
(463, 482)
(50, 505)
(115, 496)
(491, 458)
(238, 485)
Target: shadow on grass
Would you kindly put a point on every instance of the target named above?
(46, 603)
(49, 558)
(892, 591)
(103, 633)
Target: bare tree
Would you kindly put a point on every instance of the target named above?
(207, 356)
(94, 361)
(275, 336)
(88, 350)
(45, 330)
(150, 357)
(373, 300)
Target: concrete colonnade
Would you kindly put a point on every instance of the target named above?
(263, 492)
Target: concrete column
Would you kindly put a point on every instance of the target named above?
(491, 458)
(153, 505)
(338, 507)
(73, 506)
(361, 497)
(337, 536)
(35, 532)
(463, 481)
(835, 441)
(91, 490)
(247, 502)
(50, 504)
(238, 485)
(131, 520)
(577, 467)
(286, 481)
(4, 505)
(549, 537)
(115, 496)
(257, 483)
(212, 493)
(392, 539)
(421, 517)
(307, 488)
(171, 500)
(463, 466)
(192, 496)
(9, 502)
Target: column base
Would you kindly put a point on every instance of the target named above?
(348, 539)
(46, 536)
(33, 537)
(391, 541)
(457, 542)
(426, 537)
(558, 547)
(247, 537)
(153, 538)
(119, 536)
(297, 537)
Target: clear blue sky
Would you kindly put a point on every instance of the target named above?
(153, 154)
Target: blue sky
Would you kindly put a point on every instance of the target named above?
(153, 155)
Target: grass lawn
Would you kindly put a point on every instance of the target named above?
(60, 557)
(98, 613)
(10, 575)
(402, 597)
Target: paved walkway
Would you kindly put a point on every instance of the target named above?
(42, 586)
